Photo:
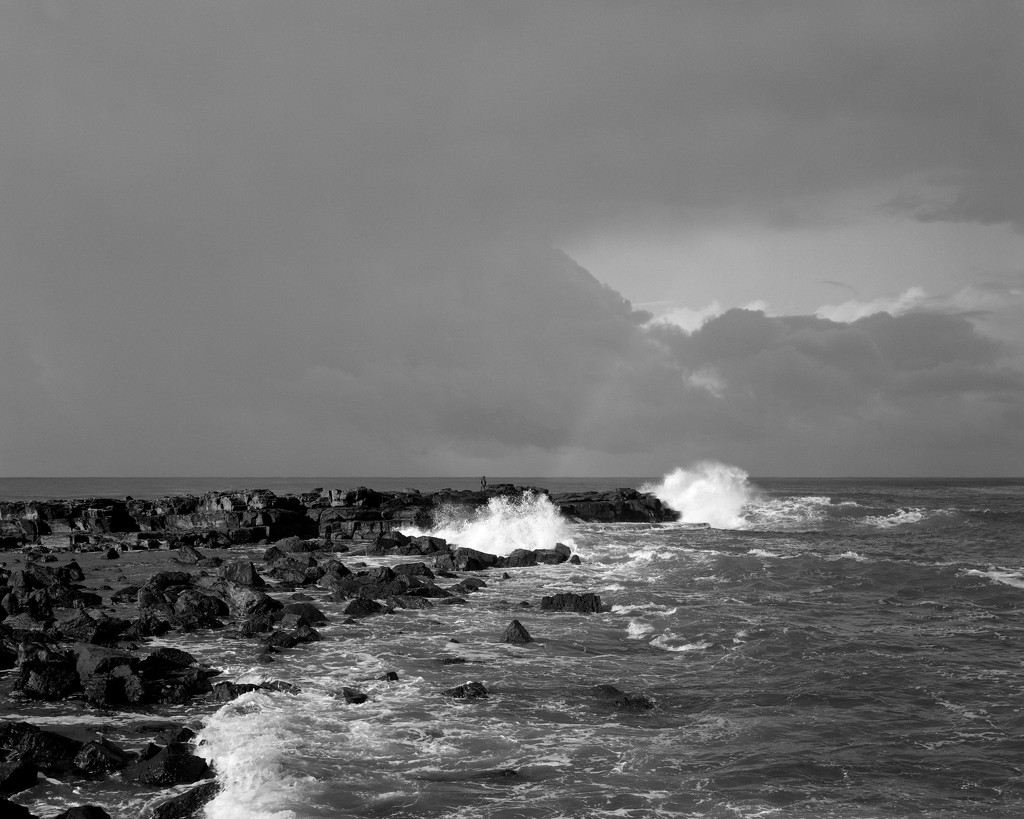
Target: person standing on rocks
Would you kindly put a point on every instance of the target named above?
(483, 483)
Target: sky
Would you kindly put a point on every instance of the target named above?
(535, 238)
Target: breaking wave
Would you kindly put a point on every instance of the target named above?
(708, 492)
(505, 524)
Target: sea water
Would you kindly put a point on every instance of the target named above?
(824, 648)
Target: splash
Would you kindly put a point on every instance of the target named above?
(708, 492)
(530, 521)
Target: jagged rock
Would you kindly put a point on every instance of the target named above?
(175, 733)
(51, 677)
(100, 756)
(516, 633)
(404, 601)
(467, 586)
(188, 804)
(108, 675)
(190, 554)
(462, 559)
(468, 691)
(53, 753)
(228, 691)
(586, 603)
(419, 569)
(243, 573)
(174, 764)
(389, 676)
(364, 607)
(353, 696)
(245, 601)
(17, 774)
(305, 611)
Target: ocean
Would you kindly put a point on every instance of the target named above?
(825, 648)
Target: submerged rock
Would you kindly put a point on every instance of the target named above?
(620, 699)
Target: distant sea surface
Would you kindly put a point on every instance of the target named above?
(830, 648)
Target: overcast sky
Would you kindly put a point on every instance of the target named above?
(511, 238)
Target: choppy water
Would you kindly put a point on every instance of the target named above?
(851, 649)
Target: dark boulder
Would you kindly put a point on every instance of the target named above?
(83, 812)
(353, 696)
(586, 603)
(47, 675)
(365, 607)
(245, 601)
(516, 633)
(108, 676)
(174, 764)
(620, 699)
(189, 554)
(12, 810)
(53, 753)
(17, 774)
(462, 559)
(467, 586)
(188, 804)
(468, 691)
(100, 756)
(306, 612)
(243, 573)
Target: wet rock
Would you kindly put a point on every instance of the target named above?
(516, 633)
(228, 691)
(468, 691)
(614, 506)
(175, 733)
(12, 810)
(100, 756)
(256, 625)
(47, 676)
(245, 601)
(190, 554)
(174, 764)
(587, 603)
(389, 676)
(17, 774)
(307, 613)
(188, 804)
(364, 607)
(84, 812)
(353, 696)
(462, 559)
(242, 572)
(467, 586)
(108, 675)
(172, 676)
(53, 753)
(620, 699)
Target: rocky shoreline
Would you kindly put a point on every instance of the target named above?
(86, 584)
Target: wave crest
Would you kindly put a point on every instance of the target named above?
(708, 492)
(505, 524)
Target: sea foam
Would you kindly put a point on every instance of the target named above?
(708, 492)
(530, 521)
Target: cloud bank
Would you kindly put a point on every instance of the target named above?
(239, 238)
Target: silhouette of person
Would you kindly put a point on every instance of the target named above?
(483, 483)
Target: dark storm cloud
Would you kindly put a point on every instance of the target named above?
(276, 238)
